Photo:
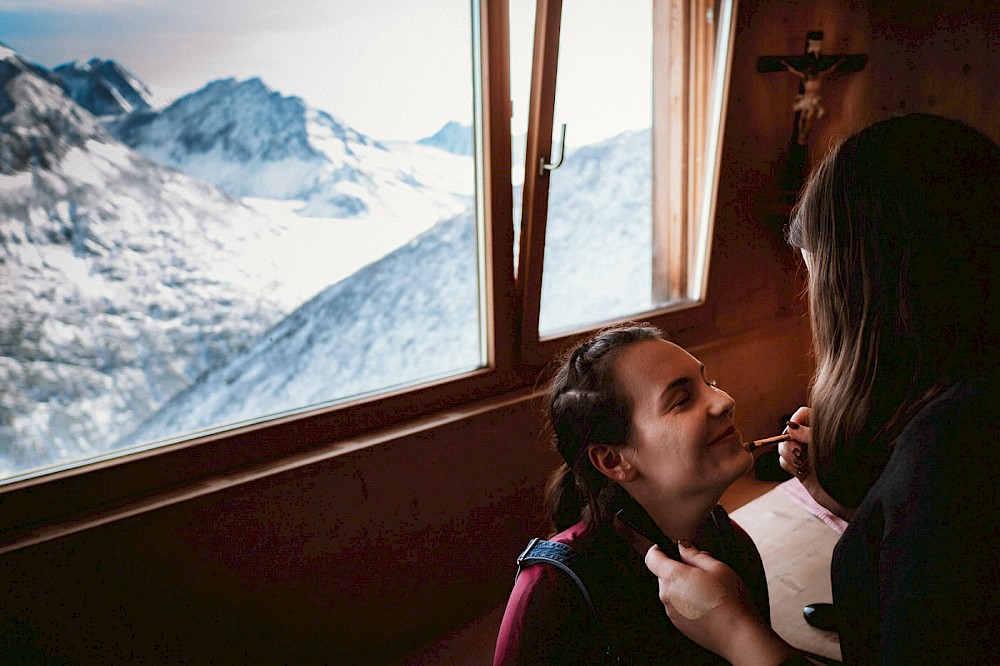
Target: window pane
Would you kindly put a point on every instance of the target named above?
(598, 246)
(245, 210)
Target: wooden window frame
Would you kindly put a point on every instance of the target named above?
(37, 508)
(690, 84)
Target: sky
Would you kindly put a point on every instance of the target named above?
(393, 69)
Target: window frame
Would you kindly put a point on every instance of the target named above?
(683, 103)
(46, 505)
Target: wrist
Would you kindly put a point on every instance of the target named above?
(753, 643)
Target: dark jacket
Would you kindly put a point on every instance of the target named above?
(547, 620)
(916, 575)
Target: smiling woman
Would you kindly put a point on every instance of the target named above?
(630, 413)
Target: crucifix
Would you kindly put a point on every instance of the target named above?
(812, 68)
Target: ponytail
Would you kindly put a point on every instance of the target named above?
(561, 499)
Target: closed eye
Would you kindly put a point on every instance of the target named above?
(684, 399)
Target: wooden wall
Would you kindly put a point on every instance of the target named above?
(368, 550)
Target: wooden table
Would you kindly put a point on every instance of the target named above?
(796, 547)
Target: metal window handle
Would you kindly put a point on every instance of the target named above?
(543, 167)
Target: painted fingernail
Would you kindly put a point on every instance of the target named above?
(791, 425)
(684, 543)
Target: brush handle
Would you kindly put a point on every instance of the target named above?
(769, 441)
(632, 514)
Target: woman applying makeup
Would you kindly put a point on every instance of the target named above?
(898, 230)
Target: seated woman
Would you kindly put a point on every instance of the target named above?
(630, 412)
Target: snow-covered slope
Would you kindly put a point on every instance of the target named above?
(412, 315)
(122, 281)
(598, 238)
(453, 138)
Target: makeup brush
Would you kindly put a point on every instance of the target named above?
(768, 441)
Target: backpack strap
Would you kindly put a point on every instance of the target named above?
(562, 556)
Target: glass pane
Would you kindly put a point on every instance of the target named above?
(242, 209)
(598, 245)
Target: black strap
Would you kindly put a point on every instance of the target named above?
(562, 557)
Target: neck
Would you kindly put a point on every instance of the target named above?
(678, 517)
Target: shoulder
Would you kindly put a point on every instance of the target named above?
(540, 580)
(966, 407)
(938, 486)
(949, 442)
(542, 616)
(920, 545)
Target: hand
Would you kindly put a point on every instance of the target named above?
(796, 457)
(793, 455)
(710, 604)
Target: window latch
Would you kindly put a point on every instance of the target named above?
(543, 167)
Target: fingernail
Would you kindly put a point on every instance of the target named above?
(684, 543)
(792, 425)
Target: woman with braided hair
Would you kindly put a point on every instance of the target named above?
(630, 413)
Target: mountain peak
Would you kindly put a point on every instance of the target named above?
(454, 137)
(6, 52)
(40, 123)
(246, 138)
(104, 87)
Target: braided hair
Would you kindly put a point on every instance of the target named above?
(587, 407)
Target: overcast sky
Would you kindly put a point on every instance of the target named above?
(412, 58)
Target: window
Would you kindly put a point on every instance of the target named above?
(196, 243)
(440, 183)
(616, 217)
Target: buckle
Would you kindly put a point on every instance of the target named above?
(524, 553)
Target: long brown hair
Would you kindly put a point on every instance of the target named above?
(900, 225)
(587, 406)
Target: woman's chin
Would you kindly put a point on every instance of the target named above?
(742, 463)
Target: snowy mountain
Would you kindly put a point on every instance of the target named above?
(254, 142)
(35, 135)
(122, 281)
(598, 235)
(104, 87)
(413, 314)
(453, 138)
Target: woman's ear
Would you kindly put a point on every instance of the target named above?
(610, 462)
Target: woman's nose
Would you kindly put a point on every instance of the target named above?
(722, 404)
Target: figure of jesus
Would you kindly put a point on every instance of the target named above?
(807, 102)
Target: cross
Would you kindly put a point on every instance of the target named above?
(811, 68)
